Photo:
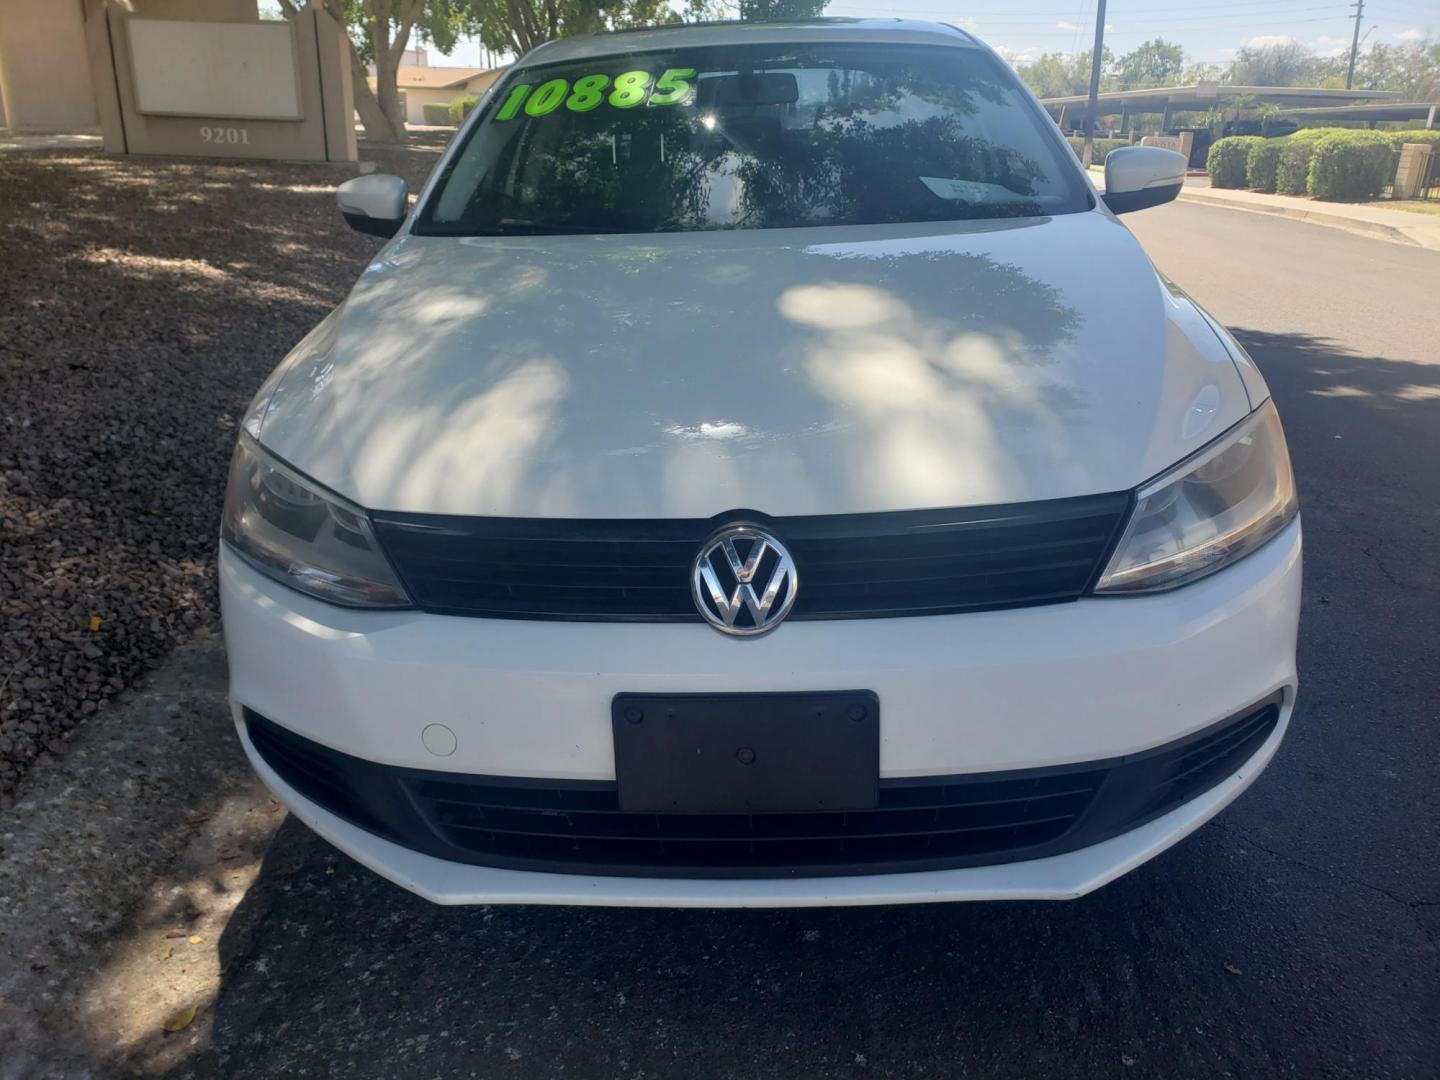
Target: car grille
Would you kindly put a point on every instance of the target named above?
(923, 562)
(919, 824)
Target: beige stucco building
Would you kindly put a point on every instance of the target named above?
(421, 83)
(45, 80)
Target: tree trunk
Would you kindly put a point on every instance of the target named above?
(379, 128)
(387, 95)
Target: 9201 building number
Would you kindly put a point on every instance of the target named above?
(225, 136)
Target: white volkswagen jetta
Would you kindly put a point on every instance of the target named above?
(760, 470)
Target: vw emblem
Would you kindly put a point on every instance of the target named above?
(744, 581)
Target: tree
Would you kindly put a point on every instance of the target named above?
(1412, 68)
(1064, 74)
(379, 32)
(761, 10)
(520, 25)
(1201, 72)
(1151, 63)
(1283, 63)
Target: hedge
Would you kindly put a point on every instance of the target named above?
(436, 112)
(1099, 148)
(1417, 135)
(462, 106)
(1351, 165)
(1261, 163)
(1311, 134)
(1226, 160)
(1292, 171)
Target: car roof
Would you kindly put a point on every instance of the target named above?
(692, 35)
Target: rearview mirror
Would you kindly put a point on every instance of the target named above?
(374, 204)
(1138, 177)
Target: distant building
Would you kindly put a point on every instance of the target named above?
(421, 83)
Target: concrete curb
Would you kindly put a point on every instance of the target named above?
(1317, 217)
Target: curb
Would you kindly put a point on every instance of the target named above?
(1315, 217)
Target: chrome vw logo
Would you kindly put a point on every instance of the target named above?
(744, 581)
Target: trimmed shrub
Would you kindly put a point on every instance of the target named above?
(1226, 160)
(1098, 149)
(462, 107)
(1351, 165)
(1261, 163)
(1311, 134)
(1292, 170)
(436, 112)
(1418, 135)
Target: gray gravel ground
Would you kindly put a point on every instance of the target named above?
(145, 300)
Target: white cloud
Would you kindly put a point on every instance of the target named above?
(1014, 57)
(1413, 34)
(1064, 24)
(1269, 39)
(1228, 50)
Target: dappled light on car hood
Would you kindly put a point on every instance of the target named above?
(788, 371)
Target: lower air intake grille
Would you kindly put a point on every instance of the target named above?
(921, 824)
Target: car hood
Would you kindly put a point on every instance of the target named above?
(796, 371)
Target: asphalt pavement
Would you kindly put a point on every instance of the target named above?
(1295, 936)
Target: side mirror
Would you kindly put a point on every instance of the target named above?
(1138, 177)
(374, 204)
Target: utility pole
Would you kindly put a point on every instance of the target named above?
(1359, 7)
(1095, 58)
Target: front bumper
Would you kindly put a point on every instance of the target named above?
(962, 694)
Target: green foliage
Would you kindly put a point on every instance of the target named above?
(1284, 63)
(1312, 134)
(1292, 172)
(1400, 138)
(1261, 163)
(1226, 161)
(436, 112)
(1098, 149)
(520, 25)
(1065, 74)
(462, 107)
(1151, 63)
(1351, 165)
(761, 10)
(1412, 69)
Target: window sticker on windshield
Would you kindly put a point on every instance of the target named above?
(675, 86)
(972, 191)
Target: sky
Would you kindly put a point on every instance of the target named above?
(1023, 29)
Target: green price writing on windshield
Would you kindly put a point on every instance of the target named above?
(626, 91)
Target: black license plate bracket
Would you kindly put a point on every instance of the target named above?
(747, 753)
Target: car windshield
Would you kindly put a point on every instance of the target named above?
(754, 137)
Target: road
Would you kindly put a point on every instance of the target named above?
(1295, 936)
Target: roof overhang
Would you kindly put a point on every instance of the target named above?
(1410, 110)
(1205, 95)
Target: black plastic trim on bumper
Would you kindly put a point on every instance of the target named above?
(922, 823)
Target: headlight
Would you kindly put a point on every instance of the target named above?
(290, 528)
(1215, 506)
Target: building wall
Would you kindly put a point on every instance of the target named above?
(45, 71)
(417, 96)
(44, 68)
